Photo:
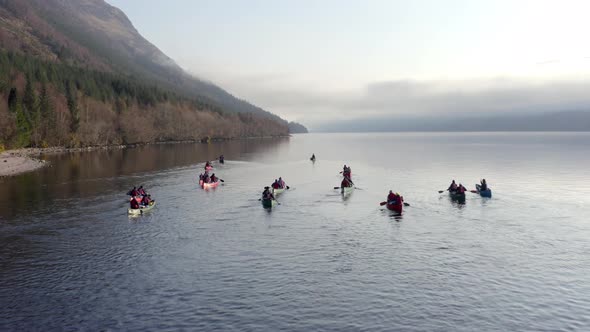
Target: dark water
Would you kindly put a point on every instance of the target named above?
(71, 258)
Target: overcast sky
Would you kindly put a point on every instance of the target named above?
(313, 60)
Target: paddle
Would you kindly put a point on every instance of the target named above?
(442, 191)
(474, 191)
(222, 180)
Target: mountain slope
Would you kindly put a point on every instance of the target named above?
(77, 73)
(96, 35)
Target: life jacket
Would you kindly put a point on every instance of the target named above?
(134, 204)
(391, 197)
(134, 192)
(266, 195)
(345, 183)
(141, 192)
(461, 190)
(145, 200)
(275, 185)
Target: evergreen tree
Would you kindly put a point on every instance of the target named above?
(47, 115)
(23, 129)
(73, 107)
(12, 100)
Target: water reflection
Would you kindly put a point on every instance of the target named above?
(84, 174)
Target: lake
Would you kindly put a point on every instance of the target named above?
(72, 259)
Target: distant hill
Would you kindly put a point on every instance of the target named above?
(91, 37)
(550, 121)
(297, 128)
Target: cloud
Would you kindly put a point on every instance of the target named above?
(409, 98)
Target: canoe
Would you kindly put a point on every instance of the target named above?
(398, 208)
(346, 190)
(279, 191)
(484, 193)
(141, 209)
(268, 203)
(457, 196)
(209, 185)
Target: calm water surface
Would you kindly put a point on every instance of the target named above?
(71, 258)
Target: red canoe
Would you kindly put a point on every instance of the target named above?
(208, 185)
(398, 208)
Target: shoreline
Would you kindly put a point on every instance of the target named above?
(24, 160)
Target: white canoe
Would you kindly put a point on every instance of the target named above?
(141, 210)
(279, 191)
(346, 190)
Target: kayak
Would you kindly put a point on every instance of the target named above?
(208, 185)
(398, 208)
(346, 190)
(269, 203)
(457, 196)
(484, 193)
(141, 209)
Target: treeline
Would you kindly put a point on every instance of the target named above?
(50, 104)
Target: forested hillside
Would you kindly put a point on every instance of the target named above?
(77, 73)
(48, 104)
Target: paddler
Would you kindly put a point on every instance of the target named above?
(483, 185)
(134, 204)
(133, 192)
(267, 195)
(346, 182)
(453, 186)
(221, 159)
(281, 183)
(461, 189)
(141, 191)
(146, 200)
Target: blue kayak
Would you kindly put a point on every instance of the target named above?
(484, 193)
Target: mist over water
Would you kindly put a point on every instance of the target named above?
(216, 260)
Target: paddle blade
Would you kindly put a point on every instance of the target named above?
(336, 187)
(382, 203)
(288, 187)
(222, 180)
(406, 204)
(474, 191)
(441, 191)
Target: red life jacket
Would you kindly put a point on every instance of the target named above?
(134, 204)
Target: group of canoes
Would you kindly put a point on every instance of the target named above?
(457, 191)
(140, 201)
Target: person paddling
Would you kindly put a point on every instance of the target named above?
(281, 183)
(391, 197)
(346, 182)
(132, 192)
(221, 159)
(483, 185)
(276, 185)
(141, 191)
(146, 200)
(461, 189)
(453, 186)
(267, 194)
(134, 204)
(312, 157)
